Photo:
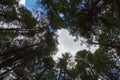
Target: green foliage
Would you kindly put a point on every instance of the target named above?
(8, 2)
(63, 62)
(87, 21)
(27, 19)
(48, 62)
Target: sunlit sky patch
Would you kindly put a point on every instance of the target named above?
(67, 44)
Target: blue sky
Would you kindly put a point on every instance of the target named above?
(66, 41)
(32, 6)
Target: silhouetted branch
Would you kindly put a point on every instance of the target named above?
(111, 44)
(19, 49)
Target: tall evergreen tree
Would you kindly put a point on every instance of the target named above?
(25, 42)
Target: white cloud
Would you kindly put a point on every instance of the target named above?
(22, 2)
(67, 44)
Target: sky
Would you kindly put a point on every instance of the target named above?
(67, 44)
(66, 41)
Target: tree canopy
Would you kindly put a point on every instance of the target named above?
(27, 44)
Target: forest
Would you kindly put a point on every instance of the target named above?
(28, 41)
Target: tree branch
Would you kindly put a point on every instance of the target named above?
(112, 44)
